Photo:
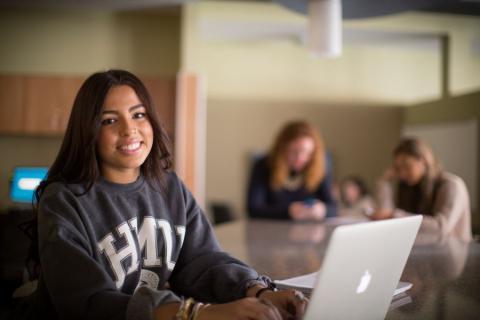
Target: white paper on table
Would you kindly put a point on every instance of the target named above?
(306, 282)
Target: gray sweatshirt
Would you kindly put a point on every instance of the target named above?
(119, 251)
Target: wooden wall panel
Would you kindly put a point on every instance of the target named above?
(190, 134)
(48, 100)
(11, 104)
(162, 91)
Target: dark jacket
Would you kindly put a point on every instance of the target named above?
(263, 202)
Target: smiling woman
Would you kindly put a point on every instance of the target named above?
(121, 237)
(125, 137)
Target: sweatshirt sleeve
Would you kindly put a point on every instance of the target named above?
(384, 194)
(258, 189)
(78, 286)
(203, 270)
(449, 208)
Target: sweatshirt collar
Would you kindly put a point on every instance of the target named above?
(121, 187)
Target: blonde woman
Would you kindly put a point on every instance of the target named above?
(292, 181)
(416, 185)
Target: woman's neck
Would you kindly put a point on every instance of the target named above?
(123, 177)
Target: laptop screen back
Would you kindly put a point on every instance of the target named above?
(361, 269)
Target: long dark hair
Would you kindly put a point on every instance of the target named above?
(420, 150)
(78, 161)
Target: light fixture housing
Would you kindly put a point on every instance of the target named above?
(325, 28)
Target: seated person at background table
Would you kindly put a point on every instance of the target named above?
(416, 185)
(292, 181)
(121, 237)
(355, 199)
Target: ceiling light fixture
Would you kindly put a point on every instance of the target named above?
(325, 28)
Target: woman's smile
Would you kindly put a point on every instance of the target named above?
(130, 147)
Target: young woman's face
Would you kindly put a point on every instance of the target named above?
(125, 137)
(299, 153)
(409, 169)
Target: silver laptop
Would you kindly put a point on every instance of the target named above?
(361, 269)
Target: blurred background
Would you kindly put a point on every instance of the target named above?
(226, 75)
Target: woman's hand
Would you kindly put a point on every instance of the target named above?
(291, 303)
(298, 210)
(317, 211)
(381, 214)
(243, 309)
(389, 174)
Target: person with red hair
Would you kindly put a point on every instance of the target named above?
(292, 181)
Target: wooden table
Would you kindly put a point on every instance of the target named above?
(445, 272)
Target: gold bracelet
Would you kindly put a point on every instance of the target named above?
(178, 315)
(188, 308)
(185, 309)
(195, 308)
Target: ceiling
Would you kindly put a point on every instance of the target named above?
(93, 4)
(352, 9)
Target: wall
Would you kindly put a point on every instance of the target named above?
(360, 139)
(458, 158)
(464, 59)
(252, 50)
(462, 107)
(79, 43)
(82, 42)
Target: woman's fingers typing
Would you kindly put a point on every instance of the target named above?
(290, 303)
(243, 309)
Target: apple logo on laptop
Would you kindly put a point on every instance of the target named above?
(364, 282)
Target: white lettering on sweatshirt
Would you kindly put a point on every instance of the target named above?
(147, 238)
